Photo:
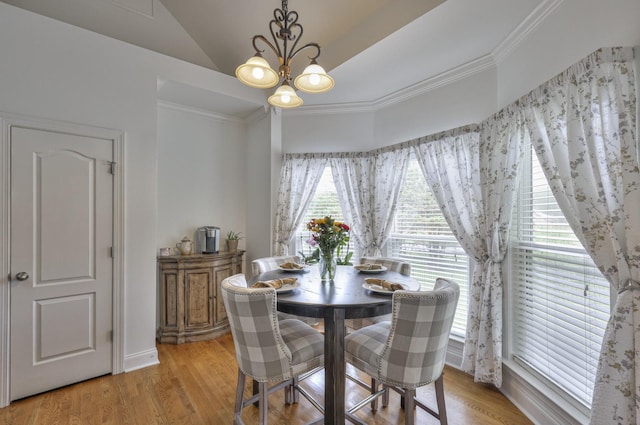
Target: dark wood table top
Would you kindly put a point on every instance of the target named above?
(346, 292)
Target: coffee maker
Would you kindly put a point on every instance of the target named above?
(208, 240)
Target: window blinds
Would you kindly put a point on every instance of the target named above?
(560, 298)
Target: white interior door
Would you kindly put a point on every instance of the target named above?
(61, 260)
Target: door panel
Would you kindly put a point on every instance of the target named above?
(59, 220)
(61, 333)
(61, 234)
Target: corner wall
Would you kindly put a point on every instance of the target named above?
(201, 178)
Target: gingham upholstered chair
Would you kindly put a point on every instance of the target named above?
(266, 264)
(268, 350)
(409, 351)
(393, 264)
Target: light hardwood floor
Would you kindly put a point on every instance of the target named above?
(195, 384)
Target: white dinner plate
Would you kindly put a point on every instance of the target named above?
(288, 287)
(302, 270)
(379, 289)
(380, 270)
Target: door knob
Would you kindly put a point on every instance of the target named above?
(22, 276)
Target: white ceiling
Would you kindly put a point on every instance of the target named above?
(372, 48)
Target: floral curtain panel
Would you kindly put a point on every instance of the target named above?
(351, 175)
(368, 186)
(299, 178)
(583, 126)
(473, 175)
(389, 170)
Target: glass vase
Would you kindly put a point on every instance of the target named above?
(328, 266)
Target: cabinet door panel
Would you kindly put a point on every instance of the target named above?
(170, 300)
(198, 297)
(221, 273)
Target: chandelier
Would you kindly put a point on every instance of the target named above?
(257, 72)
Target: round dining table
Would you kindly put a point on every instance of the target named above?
(348, 296)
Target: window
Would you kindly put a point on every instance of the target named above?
(422, 236)
(325, 202)
(560, 299)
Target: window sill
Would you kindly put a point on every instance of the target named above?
(536, 400)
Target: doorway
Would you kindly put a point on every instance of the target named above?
(65, 269)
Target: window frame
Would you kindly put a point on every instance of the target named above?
(537, 378)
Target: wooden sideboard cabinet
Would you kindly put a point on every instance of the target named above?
(191, 305)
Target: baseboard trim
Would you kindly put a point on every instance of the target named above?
(454, 353)
(140, 360)
(539, 407)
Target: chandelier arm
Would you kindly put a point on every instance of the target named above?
(295, 38)
(278, 19)
(306, 46)
(265, 41)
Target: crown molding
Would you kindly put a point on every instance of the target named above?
(443, 79)
(202, 112)
(451, 76)
(524, 29)
(257, 115)
(335, 108)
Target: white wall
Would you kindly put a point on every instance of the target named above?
(304, 132)
(261, 193)
(464, 102)
(56, 71)
(201, 174)
(573, 31)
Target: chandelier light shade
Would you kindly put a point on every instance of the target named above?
(257, 72)
(314, 79)
(285, 97)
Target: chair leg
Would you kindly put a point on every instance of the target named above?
(263, 403)
(255, 390)
(294, 391)
(385, 396)
(409, 406)
(239, 397)
(374, 388)
(442, 410)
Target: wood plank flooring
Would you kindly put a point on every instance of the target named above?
(195, 384)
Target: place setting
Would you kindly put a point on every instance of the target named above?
(370, 268)
(287, 284)
(293, 267)
(382, 286)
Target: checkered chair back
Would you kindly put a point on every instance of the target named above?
(415, 351)
(260, 350)
(267, 264)
(393, 264)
